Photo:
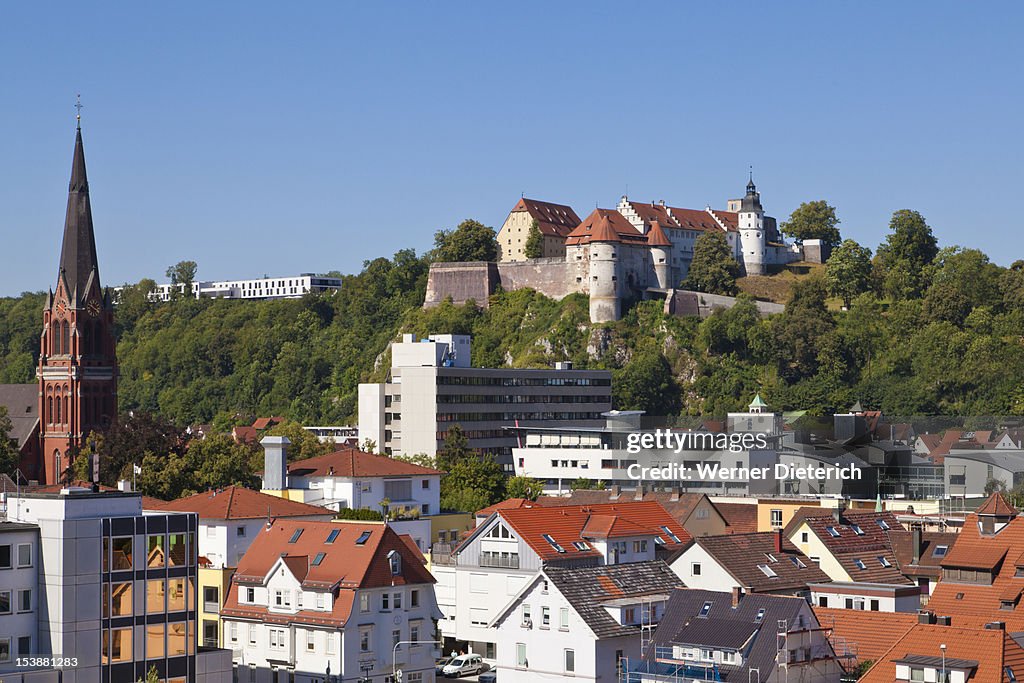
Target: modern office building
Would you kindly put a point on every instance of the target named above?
(116, 588)
(288, 287)
(432, 386)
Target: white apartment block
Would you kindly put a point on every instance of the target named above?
(289, 287)
(19, 596)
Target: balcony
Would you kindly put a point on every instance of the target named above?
(498, 561)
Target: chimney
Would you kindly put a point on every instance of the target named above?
(676, 490)
(275, 462)
(639, 493)
(925, 617)
(996, 626)
(124, 485)
(837, 511)
(778, 540)
(613, 492)
(916, 534)
(737, 593)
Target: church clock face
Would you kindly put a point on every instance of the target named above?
(93, 308)
(61, 308)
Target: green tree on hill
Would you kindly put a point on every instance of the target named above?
(470, 241)
(8, 452)
(814, 220)
(713, 268)
(848, 271)
(903, 259)
(534, 247)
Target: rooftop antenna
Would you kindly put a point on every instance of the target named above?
(78, 108)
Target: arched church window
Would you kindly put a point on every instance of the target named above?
(49, 410)
(57, 421)
(55, 338)
(65, 337)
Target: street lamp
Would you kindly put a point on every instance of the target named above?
(942, 678)
(394, 653)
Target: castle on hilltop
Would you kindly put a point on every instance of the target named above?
(634, 251)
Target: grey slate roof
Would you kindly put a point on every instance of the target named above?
(725, 624)
(588, 588)
(22, 403)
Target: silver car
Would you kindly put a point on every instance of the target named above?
(463, 665)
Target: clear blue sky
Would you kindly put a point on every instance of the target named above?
(274, 138)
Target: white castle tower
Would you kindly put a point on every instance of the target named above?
(753, 239)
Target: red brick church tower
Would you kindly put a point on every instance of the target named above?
(77, 363)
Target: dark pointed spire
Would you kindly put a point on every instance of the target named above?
(78, 250)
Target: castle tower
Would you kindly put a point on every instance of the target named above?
(661, 249)
(77, 370)
(753, 240)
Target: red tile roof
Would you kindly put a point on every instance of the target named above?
(656, 236)
(741, 517)
(568, 524)
(998, 506)
(679, 505)
(351, 462)
(992, 649)
(262, 423)
(871, 547)
(928, 563)
(237, 502)
(605, 225)
(556, 220)
(244, 434)
(863, 634)
(508, 504)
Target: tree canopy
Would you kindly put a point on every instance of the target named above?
(903, 259)
(470, 241)
(714, 267)
(534, 247)
(848, 271)
(814, 220)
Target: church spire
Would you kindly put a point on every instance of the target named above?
(78, 250)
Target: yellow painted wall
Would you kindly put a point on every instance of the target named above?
(788, 507)
(221, 578)
(814, 547)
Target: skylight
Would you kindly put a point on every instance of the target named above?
(318, 559)
(797, 562)
(675, 539)
(860, 563)
(940, 551)
(767, 571)
(882, 524)
(760, 616)
(771, 558)
(883, 561)
(551, 541)
(832, 531)
(295, 536)
(363, 538)
(659, 540)
(331, 537)
(857, 530)
(705, 609)
(581, 545)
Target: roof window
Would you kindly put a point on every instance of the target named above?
(363, 538)
(668, 532)
(318, 559)
(551, 542)
(295, 536)
(705, 609)
(331, 537)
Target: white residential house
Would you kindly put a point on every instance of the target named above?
(875, 597)
(331, 601)
(503, 554)
(581, 623)
(353, 479)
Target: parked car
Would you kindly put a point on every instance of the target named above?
(463, 665)
(489, 676)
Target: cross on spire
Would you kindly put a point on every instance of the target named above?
(78, 108)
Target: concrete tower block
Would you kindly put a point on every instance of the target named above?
(275, 462)
(605, 302)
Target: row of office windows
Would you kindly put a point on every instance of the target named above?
(457, 380)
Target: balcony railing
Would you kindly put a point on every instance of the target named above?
(506, 562)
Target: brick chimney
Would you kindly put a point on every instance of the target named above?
(777, 535)
(676, 492)
(737, 593)
(639, 493)
(614, 492)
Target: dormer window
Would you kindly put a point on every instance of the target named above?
(395, 560)
(940, 551)
(860, 563)
(883, 561)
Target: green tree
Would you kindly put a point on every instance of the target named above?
(848, 271)
(961, 280)
(456, 448)
(583, 484)
(801, 329)
(904, 257)
(713, 268)
(814, 220)
(646, 383)
(151, 676)
(470, 241)
(472, 484)
(534, 247)
(183, 273)
(8, 449)
(129, 438)
(523, 487)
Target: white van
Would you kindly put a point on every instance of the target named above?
(463, 665)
